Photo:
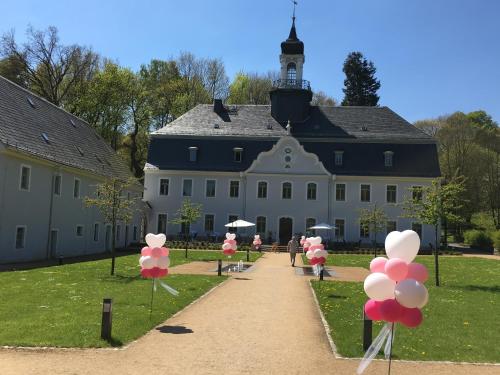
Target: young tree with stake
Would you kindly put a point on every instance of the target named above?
(186, 215)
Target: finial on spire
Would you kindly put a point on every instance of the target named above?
(288, 128)
(294, 4)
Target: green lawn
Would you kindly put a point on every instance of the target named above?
(61, 306)
(461, 321)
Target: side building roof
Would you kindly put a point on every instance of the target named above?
(32, 125)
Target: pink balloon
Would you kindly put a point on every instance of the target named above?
(146, 273)
(146, 251)
(390, 310)
(411, 318)
(316, 247)
(372, 309)
(378, 264)
(320, 260)
(232, 242)
(229, 251)
(396, 269)
(156, 272)
(163, 272)
(417, 272)
(157, 252)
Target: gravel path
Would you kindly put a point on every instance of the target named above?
(260, 322)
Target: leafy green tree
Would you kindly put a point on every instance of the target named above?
(322, 99)
(187, 214)
(251, 88)
(373, 220)
(12, 69)
(113, 199)
(439, 202)
(360, 83)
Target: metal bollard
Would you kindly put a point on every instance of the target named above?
(219, 267)
(367, 331)
(107, 309)
(321, 274)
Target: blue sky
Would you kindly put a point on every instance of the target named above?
(433, 56)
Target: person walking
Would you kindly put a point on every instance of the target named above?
(292, 248)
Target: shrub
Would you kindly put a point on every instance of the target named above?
(477, 238)
(496, 239)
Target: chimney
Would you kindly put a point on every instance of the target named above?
(218, 107)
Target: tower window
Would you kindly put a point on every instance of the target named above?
(291, 72)
(388, 158)
(192, 153)
(237, 154)
(339, 157)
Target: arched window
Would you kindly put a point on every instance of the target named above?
(311, 191)
(291, 72)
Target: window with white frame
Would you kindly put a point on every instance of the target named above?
(286, 190)
(164, 186)
(339, 158)
(417, 227)
(311, 191)
(417, 193)
(193, 153)
(209, 223)
(391, 226)
(340, 192)
(291, 71)
(25, 178)
(96, 232)
(210, 188)
(388, 158)
(261, 225)
(79, 230)
(364, 231)
(161, 226)
(234, 189)
(20, 237)
(391, 193)
(187, 188)
(365, 193)
(339, 229)
(237, 154)
(262, 189)
(76, 188)
(57, 184)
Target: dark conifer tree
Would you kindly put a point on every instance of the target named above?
(361, 85)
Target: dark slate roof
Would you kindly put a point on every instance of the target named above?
(293, 45)
(360, 159)
(22, 126)
(363, 123)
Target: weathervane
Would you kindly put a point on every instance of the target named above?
(294, 5)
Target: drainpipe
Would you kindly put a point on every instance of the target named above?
(51, 200)
(244, 195)
(330, 193)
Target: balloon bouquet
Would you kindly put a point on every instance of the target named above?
(315, 252)
(396, 291)
(257, 242)
(154, 262)
(229, 246)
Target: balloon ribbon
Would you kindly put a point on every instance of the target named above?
(386, 333)
(165, 286)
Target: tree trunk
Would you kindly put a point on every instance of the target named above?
(113, 244)
(436, 256)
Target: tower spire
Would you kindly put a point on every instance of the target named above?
(294, 4)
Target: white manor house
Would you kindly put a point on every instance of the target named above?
(288, 165)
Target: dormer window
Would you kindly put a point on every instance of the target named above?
(291, 72)
(339, 157)
(388, 158)
(237, 154)
(193, 151)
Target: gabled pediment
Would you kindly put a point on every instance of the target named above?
(288, 156)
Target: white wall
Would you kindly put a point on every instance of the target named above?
(32, 209)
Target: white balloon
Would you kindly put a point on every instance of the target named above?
(256, 237)
(403, 245)
(163, 262)
(314, 240)
(310, 254)
(226, 246)
(410, 293)
(230, 236)
(379, 287)
(147, 262)
(320, 253)
(155, 240)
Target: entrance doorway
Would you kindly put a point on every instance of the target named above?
(285, 230)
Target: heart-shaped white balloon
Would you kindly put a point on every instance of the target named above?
(403, 245)
(256, 237)
(314, 240)
(155, 240)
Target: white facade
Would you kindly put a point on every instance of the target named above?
(286, 162)
(39, 220)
